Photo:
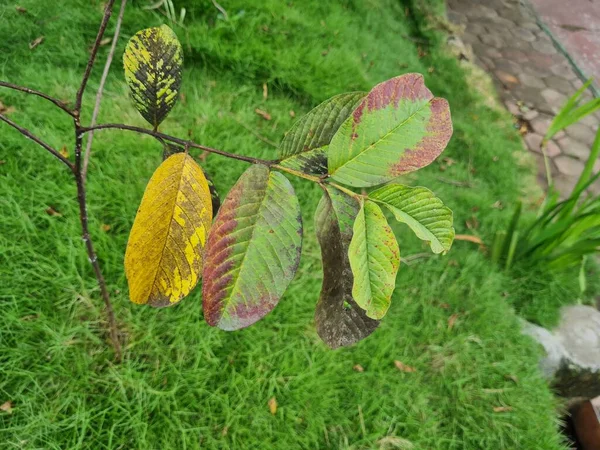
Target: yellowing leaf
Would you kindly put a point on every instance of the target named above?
(273, 405)
(163, 261)
(153, 59)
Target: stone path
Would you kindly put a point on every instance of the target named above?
(533, 79)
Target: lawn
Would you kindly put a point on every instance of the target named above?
(184, 385)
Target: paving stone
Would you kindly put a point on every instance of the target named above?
(513, 54)
(540, 125)
(552, 149)
(564, 70)
(533, 141)
(568, 165)
(492, 39)
(574, 148)
(591, 121)
(481, 12)
(554, 98)
(512, 107)
(530, 114)
(475, 28)
(491, 52)
(524, 34)
(543, 46)
(581, 132)
(531, 81)
(560, 84)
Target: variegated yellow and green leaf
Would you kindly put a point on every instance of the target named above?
(399, 127)
(253, 250)
(163, 260)
(304, 147)
(339, 320)
(421, 210)
(374, 259)
(153, 62)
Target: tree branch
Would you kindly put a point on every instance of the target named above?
(57, 102)
(109, 58)
(38, 141)
(183, 142)
(94, 52)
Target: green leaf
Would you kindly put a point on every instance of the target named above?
(374, 258)
(570, 113)
(153, 60)
(253, 250)
(304, 146)
(339, 320)
(398, 128)
(421, 210)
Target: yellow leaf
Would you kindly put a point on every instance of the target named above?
(273, 405)
(164, 254)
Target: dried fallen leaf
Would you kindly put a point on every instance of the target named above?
(468, 238)
(403, 367)
(2, 161)
(512, 378)
(499, 409)
(265, 91)
(292, 113)
(265, 115)
(451, 321)
(498, 205)
(273, 405)
(445, 306)
(52, 212)
(224, 431)
(64, 152)
(106, 41)
(6, 109)
(20, 9)
(395, 442)
(37, 41)
(106, 227)
(6, 407)
(358, 368)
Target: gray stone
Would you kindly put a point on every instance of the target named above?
(591, 121)
(506, 77)
(572, 351)
(555, 99)
(492, 39)
(512, 107)
(552, 149)
(523, 34)
(574, 148)
(560, 84)
(544, 46)
(568, 165)
(531, 81)
(530, 114)
(541, 124)
(533, 141)
(481, 12)
(564, 70)
(581, 132)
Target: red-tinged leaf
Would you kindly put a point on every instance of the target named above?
(339, 320)
(398, 128)
(253, 250)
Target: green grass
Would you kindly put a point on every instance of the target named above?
(184, 385)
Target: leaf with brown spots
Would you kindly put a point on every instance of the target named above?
(164, 254)
(374, 259)
(153, 61)
(253, 250)
(304, 147)
(398, 128)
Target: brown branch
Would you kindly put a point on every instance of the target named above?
(38, 141)
(94, 52)
(255, 133)
(57, 102)
(183, 142)
(109, 58)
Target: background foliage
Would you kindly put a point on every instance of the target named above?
(185, 385)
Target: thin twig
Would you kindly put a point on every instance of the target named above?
(81, 193)
(57, 102)
(109, 58)
(38, 141)
(183, 142)
(255, 133)
(94, 52)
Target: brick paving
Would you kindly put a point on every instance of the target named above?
(533, 79)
